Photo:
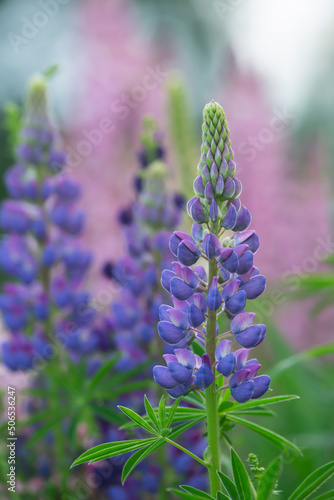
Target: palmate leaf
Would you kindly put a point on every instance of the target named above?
(268, 479)
(278, 440)
(228, 485)
(313, 482)
(113, 449)
(241, 478)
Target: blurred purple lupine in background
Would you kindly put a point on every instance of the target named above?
(41, 251)
(147, 223)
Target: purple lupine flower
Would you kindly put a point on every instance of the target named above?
(146, 228)
(39, 250)
(215, 209)
(184, 370)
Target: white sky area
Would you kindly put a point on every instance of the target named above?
(284, 41)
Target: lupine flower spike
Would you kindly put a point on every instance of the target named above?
(40, 252)
(220, 236)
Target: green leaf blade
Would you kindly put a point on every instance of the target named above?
(172, 412)
(313, 482)
(228, 485)
(195, 491)
(241, 478)
(151, 414)
(262, 402)
(278, 440)
(111, 450)
(137, 457)
(222, 496)
(268, 479)
(138, 419)
(162, 412)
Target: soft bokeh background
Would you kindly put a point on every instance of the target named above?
(271, 66)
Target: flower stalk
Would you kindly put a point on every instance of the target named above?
(213, 429)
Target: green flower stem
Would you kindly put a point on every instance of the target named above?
(211, 398)
(53, 366)
(195, 457)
